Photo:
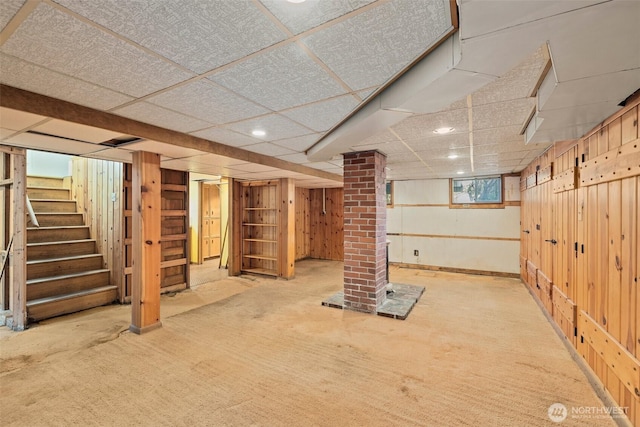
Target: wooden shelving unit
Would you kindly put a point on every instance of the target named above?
(263, 233)
(260, 228)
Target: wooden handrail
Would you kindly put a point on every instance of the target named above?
(32, 214)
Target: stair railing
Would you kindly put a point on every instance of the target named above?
(32, 214)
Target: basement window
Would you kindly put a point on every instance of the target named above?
(483, 191)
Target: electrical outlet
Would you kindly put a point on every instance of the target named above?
(416, 252)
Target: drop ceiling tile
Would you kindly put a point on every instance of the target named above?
(200, 35)
(300, 143)
(364, 94)
(27, 76)
(304, 16)
(451, 141)
(388, 38)
(215, 159)
(497, 135)
(76, 131)
(206, 101)
(52, 144)
(322, 116)
(276, 127)
(8, 10)
(282, 78)
(508, 147)
(377, 138)
(113, 154)
(18, 120)
(5, 133)
(516, 83)
(299, 158)
(502, 114)
(167, 150)
(268, 149)
(53, 39)
(422, 125)
(158, 116)
(226, 136)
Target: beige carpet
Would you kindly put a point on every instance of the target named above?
(474, 351)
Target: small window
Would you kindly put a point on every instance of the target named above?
(487, 190)
(390, 193)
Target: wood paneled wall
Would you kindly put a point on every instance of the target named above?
(579, 250)
(319, 228)
(97, 189)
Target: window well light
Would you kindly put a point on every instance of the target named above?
(452, 156)
(443, 130)
(258, 132)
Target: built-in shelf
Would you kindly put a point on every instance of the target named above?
(258, 256)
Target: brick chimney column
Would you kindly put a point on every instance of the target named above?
(365, 230)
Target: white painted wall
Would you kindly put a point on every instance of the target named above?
(40, 163)
(453, 238)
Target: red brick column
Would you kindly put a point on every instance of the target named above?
(365, 230)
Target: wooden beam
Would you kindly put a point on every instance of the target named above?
(146, 242)
(34, 103)
(19, 252)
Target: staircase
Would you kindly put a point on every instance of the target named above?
(65, 274)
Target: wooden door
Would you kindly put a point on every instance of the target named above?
(210, 220)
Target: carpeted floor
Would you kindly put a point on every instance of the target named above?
(475, 351)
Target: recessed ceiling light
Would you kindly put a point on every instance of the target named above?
(444, 130)
(258, 132)
(453, 156)
(460, 172)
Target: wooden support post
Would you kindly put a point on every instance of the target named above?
(19, 249)
(287, 229)
(235, 227)
(146, 244)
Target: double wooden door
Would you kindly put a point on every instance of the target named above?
(210, 232)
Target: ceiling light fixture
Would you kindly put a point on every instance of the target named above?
(460, 172)
(295, 1)
(258, 132)
(452, 156)
(443, 131)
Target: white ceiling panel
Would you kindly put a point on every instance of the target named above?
(300, 143)
(304, 16)
(27, 76)
(388, 39)
(200, 35)
(214, 159)
(18, 120)
(498, 135)
(269, 149)
(159, 116)
(113, 154)
(299, 158)
(504, 114)
(423, 125)
(321, 116)
(8, 10)
(76, 131)
(206, 101)
(53, 144)
(53, 39)
(168, 150)
(454, 140)
(226, 136)
(276, 127)
(281, 78)
(5, 133)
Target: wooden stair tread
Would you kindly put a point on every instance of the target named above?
(52, 200)
(46, 300)
(59, 227)
(64, 242)
(65, 258)
(66, 276)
